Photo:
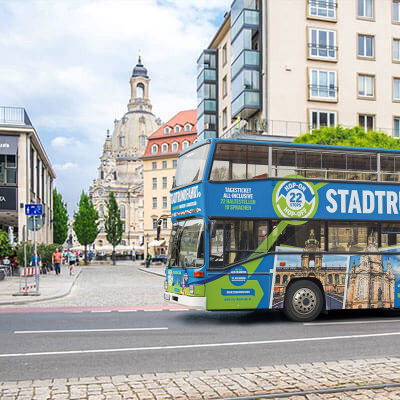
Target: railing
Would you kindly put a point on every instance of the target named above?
(288, 129)
(14, 116)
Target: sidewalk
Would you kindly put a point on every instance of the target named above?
(348, 379)
(51, 286)
(154, 269)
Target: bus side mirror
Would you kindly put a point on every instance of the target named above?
(212, 227)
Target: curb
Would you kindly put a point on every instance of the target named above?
(151, 272)
(37, 300)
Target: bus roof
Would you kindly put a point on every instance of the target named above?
(296, 145)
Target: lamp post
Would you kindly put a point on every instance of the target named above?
(147, 262)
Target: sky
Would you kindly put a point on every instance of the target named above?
(68, 63)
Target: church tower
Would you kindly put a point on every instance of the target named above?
(140, 83)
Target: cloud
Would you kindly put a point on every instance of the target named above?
(65, 167)
(69, 64)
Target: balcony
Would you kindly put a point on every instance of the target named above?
(246, 104)
(248, 19)
(248, 58)
(322, 51)
(323, 92)
(207, 75)
(207, 106)
(14, 116)
(239, 5)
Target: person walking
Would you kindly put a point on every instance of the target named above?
(56, 259)
(35, 261)
(71, 260)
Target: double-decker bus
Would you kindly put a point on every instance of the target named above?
(259, 224)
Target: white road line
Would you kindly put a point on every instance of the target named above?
(127, 310)
(193, 346)
(380, 321)
(92, 330)
(156, 309)
(178, 309)
(99, 311)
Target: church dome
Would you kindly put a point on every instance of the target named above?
(139, 70)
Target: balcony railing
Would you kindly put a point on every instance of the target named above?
(323, 51)
(14, 116)
(207, 75)
(207, 106)
(248, 18)
(248, 58)
(323, 92)
(247, 100)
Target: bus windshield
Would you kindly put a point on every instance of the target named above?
(191, 166)
(186, 248)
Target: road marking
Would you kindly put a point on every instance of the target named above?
(127, 310)
(93, 330)
(100, 311)
(179, 309)
(156, 309)
(351, 322)
(205, 345)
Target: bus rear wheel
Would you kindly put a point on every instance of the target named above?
(303, 301)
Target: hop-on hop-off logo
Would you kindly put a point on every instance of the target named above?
(294, 199)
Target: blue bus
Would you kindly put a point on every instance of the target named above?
(261, 224)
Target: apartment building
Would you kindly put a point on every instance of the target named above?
(159, 164)
(283, 67)
(26, 176)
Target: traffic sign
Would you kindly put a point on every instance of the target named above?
(34, 223)
(33, 209)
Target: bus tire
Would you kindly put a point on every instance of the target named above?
(303, 301)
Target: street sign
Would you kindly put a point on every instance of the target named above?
(34, 223)
(33, 209)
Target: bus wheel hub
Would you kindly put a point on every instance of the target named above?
(304, 301)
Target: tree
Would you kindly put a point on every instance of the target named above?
(5, 246)
(113, 224)
(354, 137)
(60, 219)
(86, 225)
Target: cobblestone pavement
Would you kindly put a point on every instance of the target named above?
(227, 383)
(106, 285)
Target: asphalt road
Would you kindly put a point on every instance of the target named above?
(40, 345)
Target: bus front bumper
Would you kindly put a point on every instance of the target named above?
(193, 302)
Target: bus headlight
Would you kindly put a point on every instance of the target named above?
(165, 285)
(191, 289)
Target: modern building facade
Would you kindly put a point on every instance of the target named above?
(26, 176)
(121, 168)
(159, 164)
(283, 67)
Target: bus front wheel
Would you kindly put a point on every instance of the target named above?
(303, 301)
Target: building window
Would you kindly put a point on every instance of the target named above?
(224, 55)
(366, 44)
(154, 223)
(322, 8)
(142, 141)
(154, 183)
(366, 86)
(154, 165)
(101, 174)
(167, 130)
(154, 149)
(164, 224)
(177, 129)
(154, 202)
(365, 9)
(164, 202)
(121, 141)
(122, 211)
(188, 128)
(321, 118)
(164, 182)
(185, 145)
(323, 84)
(101, 227)
(367, 122)
(115, 175)
(396, 89)
(164, 148)
(322, 43)
(224, 86)
(224, 118)
(174, 147)
(101, 211)
(396, 50)
(164, 164)
(174, 163)
(396, 11)
(8, 170)
(396, 127)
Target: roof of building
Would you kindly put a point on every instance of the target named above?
(139, 69)
(159, 137)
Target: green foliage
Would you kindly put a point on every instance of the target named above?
(5, 246)
(86, 225)
(60, 218)
(44, 250)
(113, 223)
(354, 137)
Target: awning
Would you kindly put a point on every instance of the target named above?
(157, 243)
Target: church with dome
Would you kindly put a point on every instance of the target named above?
(121, 168)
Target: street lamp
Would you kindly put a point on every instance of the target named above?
(147, 261)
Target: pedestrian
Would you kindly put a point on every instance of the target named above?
(148, 260)
(71, 260)
(56, 259)
(90, 254)
(36, 260)
(7, 265)
(133, 254)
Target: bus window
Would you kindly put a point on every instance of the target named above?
(284, 162)
(390, 235)
(390, 167)
(191, 252)
(309, 164)
(352, 236)
(217, 247)
(360, 166)
(334, 165)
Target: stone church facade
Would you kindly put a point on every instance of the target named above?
(121, 168)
